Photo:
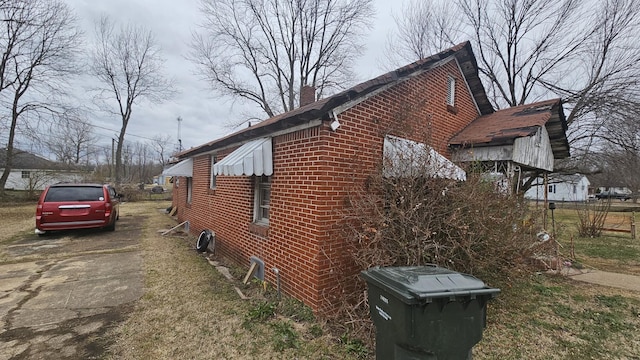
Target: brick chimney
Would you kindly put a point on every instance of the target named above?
(307, 95)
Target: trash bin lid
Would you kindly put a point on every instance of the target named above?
(414, 284)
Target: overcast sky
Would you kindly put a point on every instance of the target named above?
(204, 116)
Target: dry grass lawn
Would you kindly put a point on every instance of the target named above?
(190, 311)
(15, 219)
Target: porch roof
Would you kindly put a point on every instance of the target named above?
(504, 126)
(404, 157)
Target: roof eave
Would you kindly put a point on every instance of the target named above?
(462, 52)
(557, 129)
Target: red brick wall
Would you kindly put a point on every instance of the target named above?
(314, 169)
(414, 109)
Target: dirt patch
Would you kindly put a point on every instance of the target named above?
(79, 338)
(126, 236)
(62, 293)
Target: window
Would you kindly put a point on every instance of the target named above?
(189, 189)
(74, 193)
(26, 174)
(575, 189)
(552, 189)
(212, 182)
(262, 199)
(451, 91)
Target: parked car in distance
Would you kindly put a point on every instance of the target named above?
(77, 206)
(612, 195)
(157, 189)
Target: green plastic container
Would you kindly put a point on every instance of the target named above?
(426, 312)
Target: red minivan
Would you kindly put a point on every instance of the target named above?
(77, 206)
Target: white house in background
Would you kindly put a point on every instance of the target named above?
(31, 172)
(560, 188)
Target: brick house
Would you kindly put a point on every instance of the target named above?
(272, 193)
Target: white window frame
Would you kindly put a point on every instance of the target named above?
(260, 203)
(213, 176)
(451, 90)
(26, 174)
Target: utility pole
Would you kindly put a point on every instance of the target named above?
(113, 142)
(179, 136)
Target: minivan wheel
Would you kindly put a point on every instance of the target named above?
(111, 227)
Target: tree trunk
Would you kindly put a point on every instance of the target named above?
(8, 165)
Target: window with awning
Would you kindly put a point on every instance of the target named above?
(252, 158)
(404, 157)
(183, 168)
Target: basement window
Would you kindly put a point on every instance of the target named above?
(262, 199)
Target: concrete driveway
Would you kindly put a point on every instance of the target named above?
(59, 294)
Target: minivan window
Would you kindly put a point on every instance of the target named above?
(81, 193)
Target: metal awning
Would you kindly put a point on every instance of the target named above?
(404, 157)
(183, 168)
(252, 158)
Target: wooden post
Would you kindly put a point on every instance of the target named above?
(546, 200)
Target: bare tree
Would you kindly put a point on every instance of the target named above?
(517, 43)
(37, 180)
(264, 51)
(39, 43)
(423, 28)
(161, 145)
(619, 163)
(129, 66)
(69, 139)
(582, 51)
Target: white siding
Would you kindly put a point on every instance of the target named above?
(531, 151)
(561, 190)
(39, 179)
(534, 151)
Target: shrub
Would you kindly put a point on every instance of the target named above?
(132, 193)
(466, 226)
(591, 218)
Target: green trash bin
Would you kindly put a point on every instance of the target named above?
(426, 312)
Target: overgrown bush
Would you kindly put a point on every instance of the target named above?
(591, 218)
(132, 193)
(415, 211)
(468, 226)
